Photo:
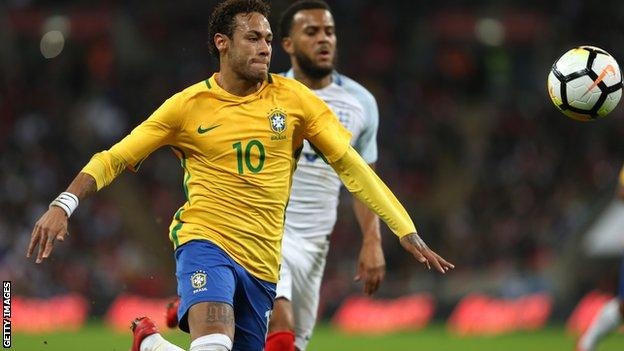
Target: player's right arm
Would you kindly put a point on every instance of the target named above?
(53, 224)
(159, 129)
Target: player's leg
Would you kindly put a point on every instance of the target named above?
(608, 319)
(147, 338)
(206, 286)
(253, 303)
(306, 288)
(282, 316)
(171, 313)
(211, 325)
(281, 336)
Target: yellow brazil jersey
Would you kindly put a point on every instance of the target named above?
(238, 155)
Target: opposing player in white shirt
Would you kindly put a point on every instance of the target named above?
(308, 36)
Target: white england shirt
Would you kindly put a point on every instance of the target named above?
(312, 208)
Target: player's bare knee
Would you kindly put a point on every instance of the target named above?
(207, 318)
(282, 318)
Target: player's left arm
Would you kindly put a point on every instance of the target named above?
(101, 170)
(325, 132)
(363, 183)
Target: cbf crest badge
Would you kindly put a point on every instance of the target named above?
(277, 122)
(198, 279)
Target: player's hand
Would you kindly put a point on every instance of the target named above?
(371, 266)
(50, 227)
(417, 247)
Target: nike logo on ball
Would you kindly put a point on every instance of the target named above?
(601, 76)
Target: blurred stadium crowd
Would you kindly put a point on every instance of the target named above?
(494, 177)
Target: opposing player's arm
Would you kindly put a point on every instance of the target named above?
(100, 171)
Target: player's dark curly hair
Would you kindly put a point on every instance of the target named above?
(222, 18)
(285, 24)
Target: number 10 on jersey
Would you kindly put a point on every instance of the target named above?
(245, 153)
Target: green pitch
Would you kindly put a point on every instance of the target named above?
(96, 337)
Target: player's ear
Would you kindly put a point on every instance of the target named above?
(221, 41)
(287, 44)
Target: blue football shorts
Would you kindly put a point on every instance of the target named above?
(206, 273)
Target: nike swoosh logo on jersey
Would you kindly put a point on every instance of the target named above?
(201, 130)
(601, 76)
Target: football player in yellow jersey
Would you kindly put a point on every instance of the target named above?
(238, 135)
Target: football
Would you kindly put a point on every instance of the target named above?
(585, 83)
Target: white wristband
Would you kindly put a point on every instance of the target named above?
(67, 202)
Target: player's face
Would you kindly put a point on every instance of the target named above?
(249, 52)
(313, 42)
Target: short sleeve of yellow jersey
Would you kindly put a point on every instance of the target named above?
(158, 130)
(322, 127)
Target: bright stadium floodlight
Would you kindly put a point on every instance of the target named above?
(55, 29)
(490, 31)
(52, 44)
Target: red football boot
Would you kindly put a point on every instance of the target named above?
(142, 327)
(172, 313)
